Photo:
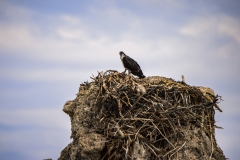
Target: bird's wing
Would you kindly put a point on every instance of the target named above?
(130, 64)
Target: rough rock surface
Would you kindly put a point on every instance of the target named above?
(92, 142)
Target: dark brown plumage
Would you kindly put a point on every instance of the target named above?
(131, 65)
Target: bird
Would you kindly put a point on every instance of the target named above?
(131, 65)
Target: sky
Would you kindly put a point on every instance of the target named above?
(48, 48)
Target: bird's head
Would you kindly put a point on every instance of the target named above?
(122, 54)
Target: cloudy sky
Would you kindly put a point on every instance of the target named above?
(48, 48)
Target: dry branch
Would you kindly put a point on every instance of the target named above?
(154, 114)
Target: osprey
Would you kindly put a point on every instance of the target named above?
(131, 65)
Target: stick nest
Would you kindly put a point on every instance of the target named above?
(155, 111)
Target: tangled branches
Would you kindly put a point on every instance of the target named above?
(157, 112)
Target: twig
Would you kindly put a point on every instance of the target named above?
(177, 150)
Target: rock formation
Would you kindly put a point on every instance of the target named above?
(117, 116)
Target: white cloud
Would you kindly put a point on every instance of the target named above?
(35, 143)
(226, 143)
(39, 130)
(15, 13)
(41, 75)
(230, 26)
(47, 118)
(170, 4)
(213, 25)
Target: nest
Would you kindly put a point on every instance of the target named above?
(155, 111)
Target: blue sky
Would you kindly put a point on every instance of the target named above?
(48, 48)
